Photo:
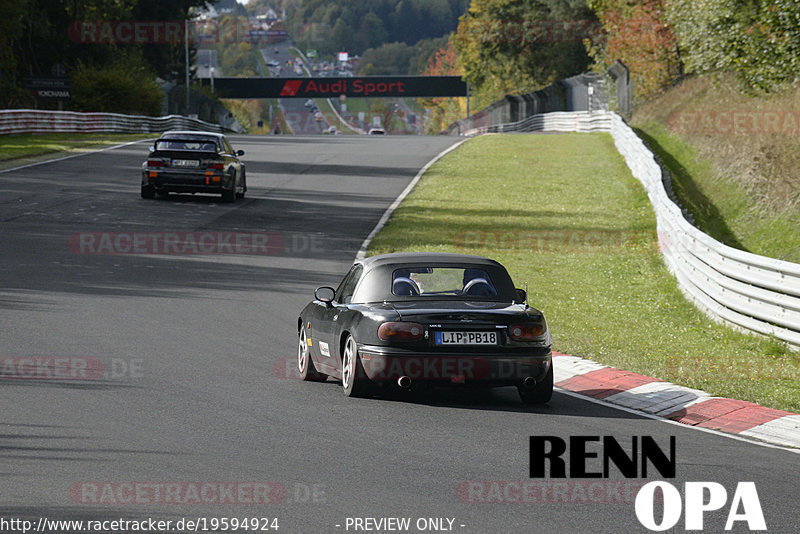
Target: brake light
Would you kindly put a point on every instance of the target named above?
(213, 164)
(526, 332)
(156, 162)
(400, 331)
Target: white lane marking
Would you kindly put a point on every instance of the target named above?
(737, 437)
(362, 252)
(777, 430)
(570, 366)
(62, 158)
(657, 399)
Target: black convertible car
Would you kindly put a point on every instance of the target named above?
(194, 162)
(426, 319)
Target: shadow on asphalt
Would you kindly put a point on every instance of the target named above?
(503, 399)
(292, 219)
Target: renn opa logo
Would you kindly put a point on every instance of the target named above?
(586, 461)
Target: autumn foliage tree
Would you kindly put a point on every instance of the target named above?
(443, 111)
(35, 36)
(638, 34)
(757, 40)
(518, 46)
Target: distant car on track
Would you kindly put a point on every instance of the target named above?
(194, 162)
(420, 320)
(376, 131)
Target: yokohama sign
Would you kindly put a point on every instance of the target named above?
(364, 86)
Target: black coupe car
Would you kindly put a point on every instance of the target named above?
(426, 319)
(194, 162)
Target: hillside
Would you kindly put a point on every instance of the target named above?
(356, 25)
(734, 160)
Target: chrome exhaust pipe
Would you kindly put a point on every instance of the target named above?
(404, 382)
(528, 381)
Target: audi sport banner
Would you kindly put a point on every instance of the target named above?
(362, 86)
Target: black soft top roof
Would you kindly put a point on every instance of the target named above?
(425, 257)
(376, 284)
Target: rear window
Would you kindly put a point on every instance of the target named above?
(433, 281)
(200, 146)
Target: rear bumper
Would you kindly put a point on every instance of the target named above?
(382, 364)
(187, 182)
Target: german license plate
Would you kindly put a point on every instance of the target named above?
(185, 163)
(466, 338)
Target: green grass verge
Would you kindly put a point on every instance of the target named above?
(354, 105)
(564, 214)
(15, 147)
(279, 117)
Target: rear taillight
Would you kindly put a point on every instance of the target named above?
(526, 332)
(157, 162)
(400, 331)
(213, 164)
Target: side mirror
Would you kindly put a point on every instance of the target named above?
(522, 295)
(325, 294)
(152, 148)
(240, 152)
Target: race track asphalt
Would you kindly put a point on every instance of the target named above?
(190, 378)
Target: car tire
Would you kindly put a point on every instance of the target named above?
(229, 195)
(354, 380)
(244, 185)
(148, 192)
(305, 365)
(540, 393)
(163, 195)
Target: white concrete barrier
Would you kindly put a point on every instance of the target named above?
(747, 290)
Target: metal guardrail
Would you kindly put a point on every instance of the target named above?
(584, 92)
(557, 121)
(747, 290)
(30, 121)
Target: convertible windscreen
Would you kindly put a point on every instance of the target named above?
(433, 281)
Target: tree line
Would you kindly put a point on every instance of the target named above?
(498, 46)
(517, 46)
(758, 41)
(357, 25)
(38, 35)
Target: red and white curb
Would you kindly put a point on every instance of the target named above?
(678, 403)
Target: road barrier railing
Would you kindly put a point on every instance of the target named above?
(753, 292)
(33, 121)
(557, 121)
